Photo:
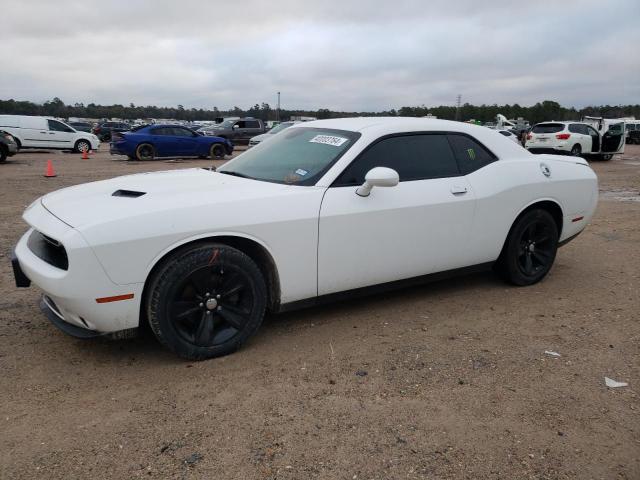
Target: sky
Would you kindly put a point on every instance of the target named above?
(347, 55)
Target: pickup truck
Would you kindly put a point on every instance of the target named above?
(239, 131)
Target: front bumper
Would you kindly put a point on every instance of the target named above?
(75, 292)
(51, 311)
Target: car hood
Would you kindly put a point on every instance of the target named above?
(136, 195)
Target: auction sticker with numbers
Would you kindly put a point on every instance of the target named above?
(328, 140)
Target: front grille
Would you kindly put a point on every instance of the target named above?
(48, 250)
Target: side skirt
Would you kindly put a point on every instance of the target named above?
(383, 287)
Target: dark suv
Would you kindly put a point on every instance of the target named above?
(8, 146)
(81, 126)
(238, 131)
(103, 130)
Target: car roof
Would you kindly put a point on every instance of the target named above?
(375, 127)
(392, 124)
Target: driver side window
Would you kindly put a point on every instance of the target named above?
(414, 157)
(57, 126)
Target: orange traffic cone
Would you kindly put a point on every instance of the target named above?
(85, 155)
(49, 172)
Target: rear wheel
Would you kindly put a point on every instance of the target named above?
(145, 151)
(217, 151)
(82, 146)
(530, 248)
(576, 150)
(206, 301)
(3, 154)
(606, 156)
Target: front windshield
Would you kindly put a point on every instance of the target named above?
(225, 124)
(280, 127)
(298, 156)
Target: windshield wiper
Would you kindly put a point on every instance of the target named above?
(235, 174)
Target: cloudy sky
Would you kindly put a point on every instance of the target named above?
(343, 55)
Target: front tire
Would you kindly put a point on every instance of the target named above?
(206, 300)
(145, 151)
(3, 154)
(530, 249)
(82, 146)
(217, 151)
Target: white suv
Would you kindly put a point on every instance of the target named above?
(575, 138)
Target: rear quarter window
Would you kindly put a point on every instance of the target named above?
(548, 128)
(470, 154)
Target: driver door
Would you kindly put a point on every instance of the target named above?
(60, 135)
(420, 226)
(185, 142)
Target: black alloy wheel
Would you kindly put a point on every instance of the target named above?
(530, 249)
(207, 301)
(535, 251)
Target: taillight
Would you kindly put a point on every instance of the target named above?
(563, 136)
(529, 136)
(96, 129)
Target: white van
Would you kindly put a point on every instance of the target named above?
(45, 132)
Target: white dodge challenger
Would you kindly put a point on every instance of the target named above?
(325, 208)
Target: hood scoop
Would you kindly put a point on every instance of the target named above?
(127, 193)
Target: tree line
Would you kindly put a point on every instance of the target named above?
(541, 111)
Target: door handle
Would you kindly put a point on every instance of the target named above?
(52, 133)
(457, 190)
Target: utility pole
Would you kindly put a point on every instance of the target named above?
(278, 108)
(458, 102)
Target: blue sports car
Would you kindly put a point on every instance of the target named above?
(152, 141)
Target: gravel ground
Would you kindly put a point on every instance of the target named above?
(447, 380)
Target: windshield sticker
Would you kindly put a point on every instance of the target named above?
(301, 172)
(328, 140)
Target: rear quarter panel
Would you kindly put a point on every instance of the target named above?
(507, 187)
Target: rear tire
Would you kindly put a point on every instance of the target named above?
(206, 300)
(530, 249)
(606, 156)
(3, 154)
(145, 151)
(217, 151)
(576, 150)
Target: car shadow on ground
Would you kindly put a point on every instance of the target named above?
(146, 348)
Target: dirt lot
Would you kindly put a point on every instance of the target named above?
(447, 380)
